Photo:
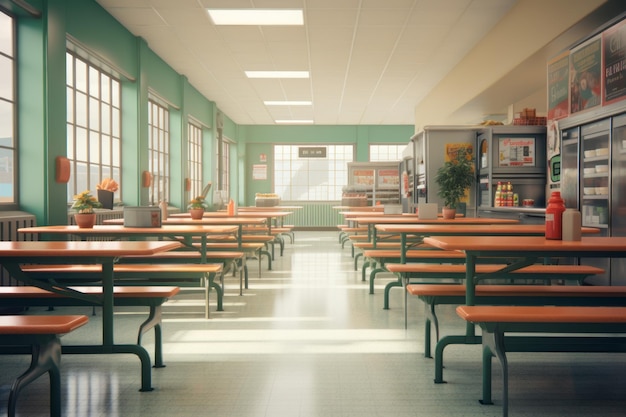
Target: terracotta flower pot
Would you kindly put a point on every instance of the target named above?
(85, 220)
(196, 214)
(448, 213)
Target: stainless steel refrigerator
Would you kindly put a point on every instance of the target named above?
(593, 179)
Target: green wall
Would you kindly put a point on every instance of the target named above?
(41, 112)
(260, 140)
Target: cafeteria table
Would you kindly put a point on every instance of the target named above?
(13, 254)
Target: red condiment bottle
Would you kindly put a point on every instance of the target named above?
(554, 216)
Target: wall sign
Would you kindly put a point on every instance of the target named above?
(312, 152)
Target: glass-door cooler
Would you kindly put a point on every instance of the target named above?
(617, 213)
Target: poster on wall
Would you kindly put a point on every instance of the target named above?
(516, 152)
(585, 80)
(452, 151)
(614, 63)
(388, 178)
(259, 172)
(558, 87)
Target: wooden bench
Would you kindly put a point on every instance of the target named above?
(456, 271)
(250, 249)
(179, 274)
(387, 256)
(128, 296)
(229, 259)
(454, 294)
(42, 334)
(597, 330)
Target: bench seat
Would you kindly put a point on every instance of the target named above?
(42, 334)
(454, 294)
(133, 296)
(599, 329)
(386, 256)
(180, 274)
(234, 259)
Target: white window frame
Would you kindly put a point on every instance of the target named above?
(8, 145)
(311, 179)
(194, 158)
(94, 131)
(158, 151)
(386, 152)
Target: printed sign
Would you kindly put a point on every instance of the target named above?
(516, 152)
(614, 64)
(585, 80)
(558, 87)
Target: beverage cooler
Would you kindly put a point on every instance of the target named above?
(515, 157)
(593, 179)
(429, 148)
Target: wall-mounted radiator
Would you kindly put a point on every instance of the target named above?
(10, 222)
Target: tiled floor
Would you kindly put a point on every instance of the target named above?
(307, 340)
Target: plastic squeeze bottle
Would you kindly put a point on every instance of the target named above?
(231, 208)
(571, 224)
(554, 216)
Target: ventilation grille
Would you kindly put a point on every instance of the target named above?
(10, 222)
(314, 215)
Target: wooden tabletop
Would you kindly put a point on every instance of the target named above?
(242, 214)
(598, 246)
(122, 230)
(412, 220)
(181, 221)
(472, 229)
(84, 249)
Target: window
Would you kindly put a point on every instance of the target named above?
(386, 152)
(93, 125)
(7, 111)
(309, 178)
(224, 157)
(194, 158)
(158, 151)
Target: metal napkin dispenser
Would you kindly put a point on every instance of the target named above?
(142, 216)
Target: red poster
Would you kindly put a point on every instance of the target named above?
(614, 63)
(558, 87)
(585, 81)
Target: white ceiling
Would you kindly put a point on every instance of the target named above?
(371, 61)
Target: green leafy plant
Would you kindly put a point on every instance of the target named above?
(198, 203)
(454, 177)
(84, 203)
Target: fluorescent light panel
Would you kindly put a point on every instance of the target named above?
(277, 74)
(288, 103)
(275, 17)
(293, 122)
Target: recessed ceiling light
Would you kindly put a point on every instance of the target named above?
(288, 103)
(277, 74)
(294, 122)
(279, 17)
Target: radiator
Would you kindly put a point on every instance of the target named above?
(10, 222)
(314, 215)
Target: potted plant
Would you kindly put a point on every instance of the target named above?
(197, 206)
(454, 178)
(84, 204)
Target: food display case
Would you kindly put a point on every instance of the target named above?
(373, 182)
